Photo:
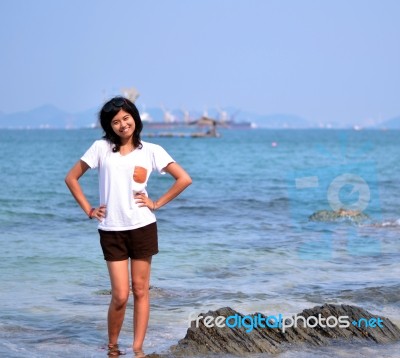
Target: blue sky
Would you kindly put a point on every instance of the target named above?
(327, 61)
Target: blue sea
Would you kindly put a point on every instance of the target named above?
(240, 236)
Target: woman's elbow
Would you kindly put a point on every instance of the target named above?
(188, 180)
(184, 180)
(68, 180)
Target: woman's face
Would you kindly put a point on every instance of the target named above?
(123, 124)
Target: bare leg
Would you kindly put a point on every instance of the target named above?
(119, 277)
(140, 271)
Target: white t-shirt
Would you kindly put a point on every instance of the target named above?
(120, 177)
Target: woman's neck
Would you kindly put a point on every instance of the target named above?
(126, 147)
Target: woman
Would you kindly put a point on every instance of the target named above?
(127, 225)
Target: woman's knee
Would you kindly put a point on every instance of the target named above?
(140, 290)
(120, 299)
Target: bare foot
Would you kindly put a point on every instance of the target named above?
(139, 354)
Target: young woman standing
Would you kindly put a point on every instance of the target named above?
(127, 224)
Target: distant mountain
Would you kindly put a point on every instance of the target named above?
(393, 123)
(85, 119)
(278, 120)
(282, 121)
(46, 116)
(49, 116)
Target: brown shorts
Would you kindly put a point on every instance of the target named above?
(135, 244)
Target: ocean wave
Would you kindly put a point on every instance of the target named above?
(378, 294)
(382, 295)
(389, 223)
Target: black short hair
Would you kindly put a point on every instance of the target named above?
(106, 116)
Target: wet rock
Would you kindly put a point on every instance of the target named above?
(103, 292)
(203, 340)
(339, 215)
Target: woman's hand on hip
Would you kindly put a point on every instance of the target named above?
(99, 213)
(142, 200)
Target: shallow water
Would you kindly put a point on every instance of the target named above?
(238, 237)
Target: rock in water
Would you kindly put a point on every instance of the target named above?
(224, 340)
(339, 215)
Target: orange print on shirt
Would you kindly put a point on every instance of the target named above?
(140, 175)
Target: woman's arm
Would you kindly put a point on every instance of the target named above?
(182, 181)
(73, 185)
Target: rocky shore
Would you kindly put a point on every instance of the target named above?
(204, 339)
